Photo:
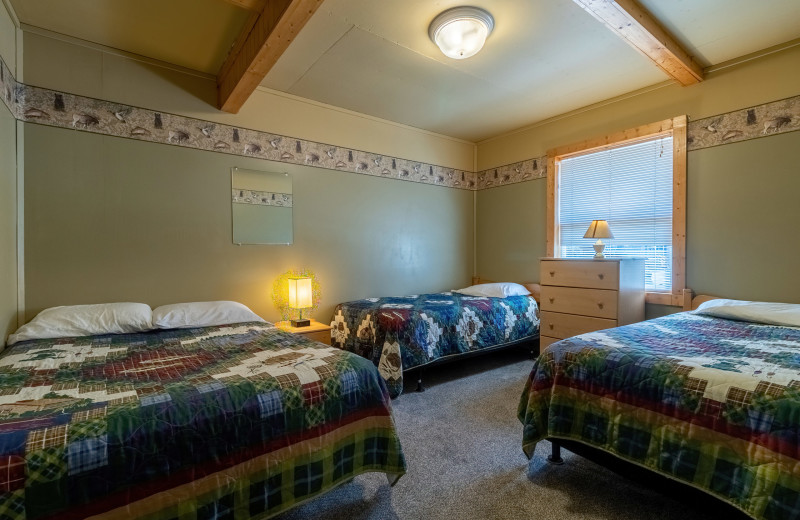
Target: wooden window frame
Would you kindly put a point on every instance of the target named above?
(676, 127)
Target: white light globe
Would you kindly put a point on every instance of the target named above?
(460, 32)
(461, 38)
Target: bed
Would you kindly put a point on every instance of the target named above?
(231, 421)
(404, 333)
(705, 400)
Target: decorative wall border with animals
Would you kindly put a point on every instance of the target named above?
(777, 117)
(10, 90)
(48, 107)
(261, 198)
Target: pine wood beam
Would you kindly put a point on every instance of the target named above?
(264, 39)
(639, 29)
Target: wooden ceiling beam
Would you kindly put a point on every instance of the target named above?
(643, 32)
(266, 36)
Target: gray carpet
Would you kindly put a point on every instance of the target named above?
(462, 441)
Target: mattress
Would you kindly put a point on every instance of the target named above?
(218, 422)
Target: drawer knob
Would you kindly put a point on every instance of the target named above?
(551, 326)
(552, 273)
(552, 300)
(600, 304)
(601, 276)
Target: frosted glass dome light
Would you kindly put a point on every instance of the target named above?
(460, 32)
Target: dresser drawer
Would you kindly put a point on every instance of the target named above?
(323, 336)
(588, 302)
(559, 325)
(580, 273)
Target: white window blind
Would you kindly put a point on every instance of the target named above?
(630, 187)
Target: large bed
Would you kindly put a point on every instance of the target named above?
(404, 333)
(708, 401)
(235, 421)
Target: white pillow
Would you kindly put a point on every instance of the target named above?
(495, 290)
(785, 314)
(202, 314)
(86, 320)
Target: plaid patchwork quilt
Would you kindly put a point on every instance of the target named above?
(711, 402)
(400, 333)
(239, 421)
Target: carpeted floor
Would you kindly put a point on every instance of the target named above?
(462, 441)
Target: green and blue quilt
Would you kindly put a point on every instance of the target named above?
(239, 421)
(399, 333)
(711, 402)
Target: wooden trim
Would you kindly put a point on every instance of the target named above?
(552, 204)
(628, 20)
(624, 137)
(678, 209)
(259, 47)
(534, 288)
(250, 5)
(676, 127)
(658, 298)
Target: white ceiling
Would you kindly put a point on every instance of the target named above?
(544, 58)
(195, 34)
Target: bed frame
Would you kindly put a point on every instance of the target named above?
(535, 290)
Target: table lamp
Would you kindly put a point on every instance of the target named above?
(300, 298)
(598, 229)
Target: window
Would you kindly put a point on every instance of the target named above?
(636, 181)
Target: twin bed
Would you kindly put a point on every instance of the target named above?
(706, 400)
(403, 333)
(233, 421)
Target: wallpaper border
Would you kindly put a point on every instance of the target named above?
(10, 91)
(43, 106)
(60, 109)
(767, 119)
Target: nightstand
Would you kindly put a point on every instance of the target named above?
(316, 331)
(580, 296)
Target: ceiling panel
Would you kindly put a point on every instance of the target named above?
(544, 58)
(191, 33)
(721, 30)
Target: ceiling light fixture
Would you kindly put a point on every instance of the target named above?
(460, 32)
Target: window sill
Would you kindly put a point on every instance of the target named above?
(664, 298)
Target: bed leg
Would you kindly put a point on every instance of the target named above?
(420, 388)
(555, 454)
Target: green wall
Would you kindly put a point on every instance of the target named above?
(743, 206)
(8, 223)
(512, 231)
(743, 209)
(112, 219)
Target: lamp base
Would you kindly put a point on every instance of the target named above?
(301, 323)
(598, 249)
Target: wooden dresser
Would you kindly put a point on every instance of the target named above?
(580, 296)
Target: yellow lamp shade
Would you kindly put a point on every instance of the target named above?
(300, 296)
(598, 229)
